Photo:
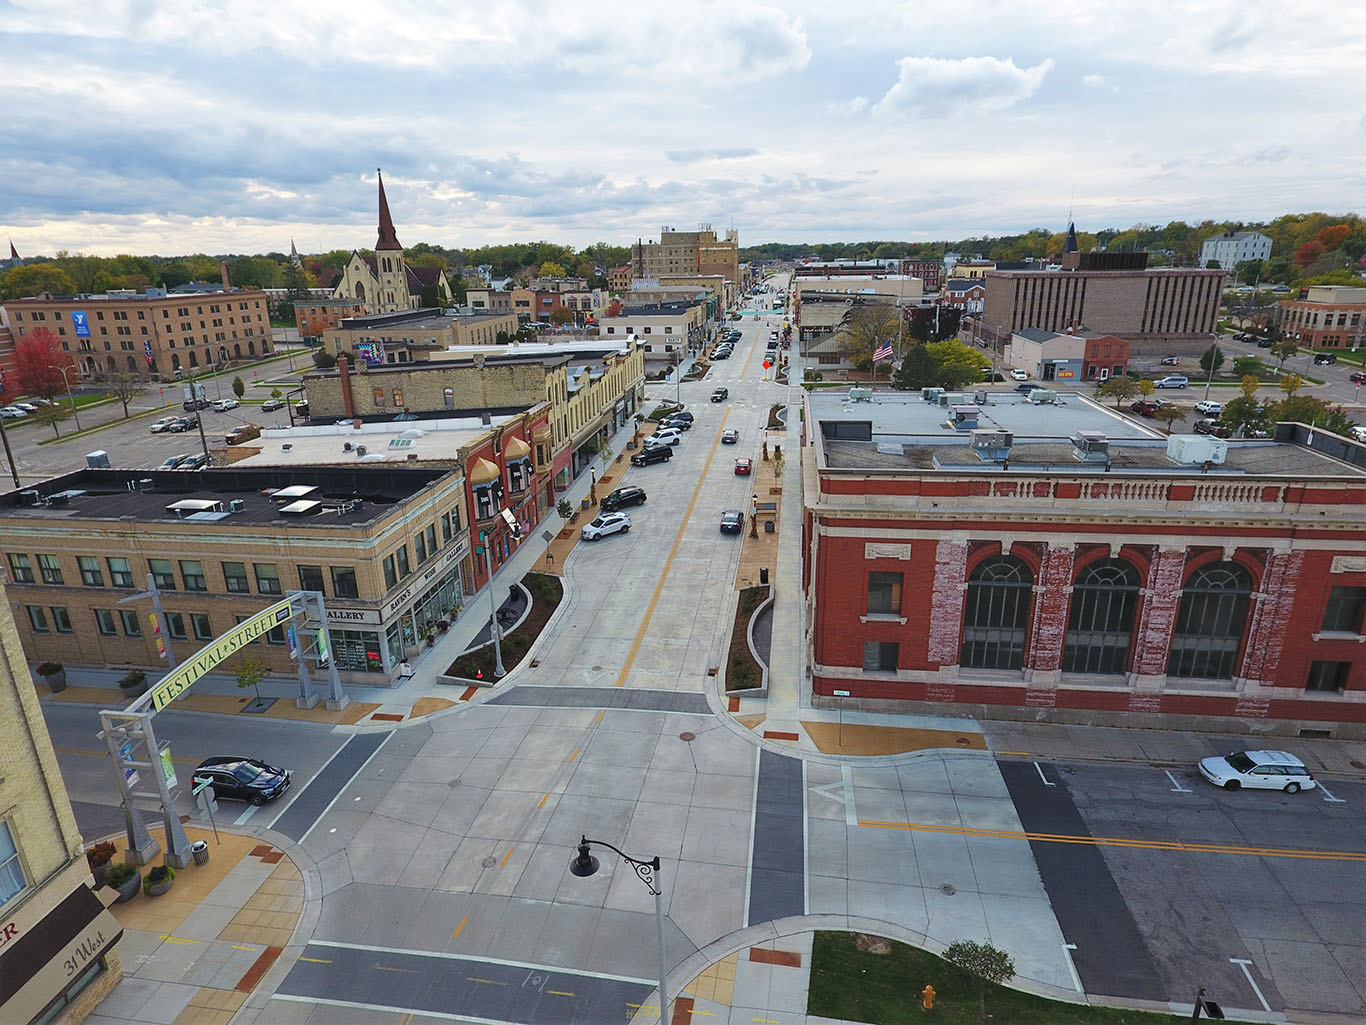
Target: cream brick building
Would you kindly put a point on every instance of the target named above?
(697, 252)
(414, 335)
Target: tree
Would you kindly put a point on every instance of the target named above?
(1248, 271)
(250, 672)
(985, 963)
(1211, 360)
(1248, 366)
(51, 415)
(1118, 388)
(41, 367)
(1146, 386)
(1331, 238)
(1249, 385)
(918, 370)
(561, 316)
(952, 352)
(239, 387)
(1306, 409)
(613, 309)
(1308, 254)
(1168, 415)
(551, 269)
(37, 278)
(1284, 350)
(957, 376)
(124, 386)
(324, 360)
(1290, 384)
(1242, 413)
(868, 328)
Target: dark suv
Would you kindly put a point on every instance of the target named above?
(622, 497)
(658, 454)
(1325, 357)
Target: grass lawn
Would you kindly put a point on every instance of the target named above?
(884, 988)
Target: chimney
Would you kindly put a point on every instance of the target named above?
(226, 276)
(348, 401)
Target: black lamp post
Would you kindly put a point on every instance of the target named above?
(585, 865)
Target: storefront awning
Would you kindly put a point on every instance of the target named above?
(482, 472)
(43, 960)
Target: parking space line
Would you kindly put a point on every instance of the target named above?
(1039, 768)
(1243, 963)
(1328, 795)
(1177, 788)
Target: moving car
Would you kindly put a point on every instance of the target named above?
(1358, 377)
(243, 779)
(732, 521)
(272, 404)
(664, 436)
(622, 497)
(1025, 389)
(1209, 407)
(1171, 361)
(1259, 770)
(743, 467)
(1145, 407)
(730, 437)
(652, 454)
(1019, 375)
(606, 523)
(162, 424)
(720, 394)
(1172, 381)
(223, 405)
(1325, 357)
(1212, 427)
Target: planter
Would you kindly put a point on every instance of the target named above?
(99, 872)
(157, 889)
(56, 682)
(130, 888)
(133, 690)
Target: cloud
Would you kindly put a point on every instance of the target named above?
(935, 87)
(692, 156)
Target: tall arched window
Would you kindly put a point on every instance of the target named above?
(997, 615)
(1210, 623)
(1101, 621)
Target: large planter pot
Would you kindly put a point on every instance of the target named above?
(130, 889)
(56, 682)
(157, 889)
(99, 872)
(133, 690)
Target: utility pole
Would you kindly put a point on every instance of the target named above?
(163, 634)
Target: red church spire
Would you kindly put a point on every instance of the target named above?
(13, 253)
(387, 238)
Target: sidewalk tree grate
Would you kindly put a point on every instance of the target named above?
(489, 862)
(947, 890)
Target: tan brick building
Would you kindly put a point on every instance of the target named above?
(1328, 317)
(688, 252)
(414, 335)
(58, 955)
(314, 316)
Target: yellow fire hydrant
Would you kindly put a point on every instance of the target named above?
(928, 994)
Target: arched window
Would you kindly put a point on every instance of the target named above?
(237, 351)
(132, 365)
(194, 360)
(175, 361)
(994, 626)
(360, 291)
(1101, 621)
(1210, 623)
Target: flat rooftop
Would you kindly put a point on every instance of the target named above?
(341, 443)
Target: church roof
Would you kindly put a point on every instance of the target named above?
(388, 239)
(1069, 244)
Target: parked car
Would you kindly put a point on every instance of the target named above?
(681, 414)
(196, 461)
(721, 354)
(674, 424)
(243, 779)
(652, 454)
(162, 424)
(732, 521)
(664, 436)
(1323, 358)
(246, 432)
(1025, 389)
(743, 467)
(223, 405)
(190, 405)
(12, 413)
(623, 497)
(1019, 375)
(1209, 407)
(184, 423)
(1241, 336)
(1264, 343)
(1172, 381)
(606, 523)
(1259, 770)
(720, 394)
(1358, 377)
(730, 437)
(1212, 427)
(1145, 407)
(27, 407)
(171, 462)
(1171, 361)
(272, 404)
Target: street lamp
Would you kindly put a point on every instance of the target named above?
(585, 865)
(71, 398)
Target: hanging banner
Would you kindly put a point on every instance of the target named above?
(167, 769)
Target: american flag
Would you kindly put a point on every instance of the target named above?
(883, 352)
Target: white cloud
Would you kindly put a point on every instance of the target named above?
(1094, 81)
(935, 87)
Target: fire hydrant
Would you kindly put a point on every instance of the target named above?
(928, 994)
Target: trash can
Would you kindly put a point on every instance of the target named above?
(200, 850)
(763, 574)
(768, 526)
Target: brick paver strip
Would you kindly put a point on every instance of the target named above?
(387, 717)
(682, 1011)
(469, 693)
(786, 958)
(254, 974)
(260, 850)
(780, 735)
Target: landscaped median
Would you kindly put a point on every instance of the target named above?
(477, 666)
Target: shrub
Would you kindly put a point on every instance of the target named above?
(119, 874)
(100, 854)
(157, 876)
(49, 668)
(133, 678)
(740, 674)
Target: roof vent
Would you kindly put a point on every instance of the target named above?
(1090, 447)
(361, 450)
(412, 457)
(286, 447)
(347, 446)
(237, 506)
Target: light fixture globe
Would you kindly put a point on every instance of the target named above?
(584, 864)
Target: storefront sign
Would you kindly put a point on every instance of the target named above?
(202, 661)
(345, 617)
(51, 954)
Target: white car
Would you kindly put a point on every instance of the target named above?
(27, 407)
(12, 413)
(1259, 770)
(162, 424)
(223, 405)
(606, 523)
(664, 436)
(1019, 375)
(1209, 407)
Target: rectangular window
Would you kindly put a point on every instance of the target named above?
(104, 622)
(51, 568)
(390, 572)
(310, 578)
(12, 879)
(91, 576)
(175, 626)
(884, 594)
(199, 621)
(37, 618)
(398, 396)
(379, 396)
(120, 572)
(235, 578)
(402, 556)
(1344, 608)
(21, 569)
(61, 619)
(430, 535)
(275, 635)
(267, 578)
(445, 527)
(192, 573)
(455, 518)
(344, 582)
(880, 656)
(162, 574)
(131, 626)
(1327, 676)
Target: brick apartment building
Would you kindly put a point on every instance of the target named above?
(1328, 317)
(412, 335)
(1063, 562)
(697, 252)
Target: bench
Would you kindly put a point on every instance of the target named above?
(767, 509)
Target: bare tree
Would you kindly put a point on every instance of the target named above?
(124, 385)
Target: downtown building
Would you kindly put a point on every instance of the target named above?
(988, 556)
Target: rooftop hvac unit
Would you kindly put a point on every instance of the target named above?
(347, 446)
(1196, 449)
(1090, 447)
(237, 506)
(952, 398)
(860, 395)
(1042, 397)
(361, 450)
(931, 394)
(412, 457)
(963, 418)
(97, 460)
(991, 446)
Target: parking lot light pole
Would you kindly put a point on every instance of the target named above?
(584, 865)
(71, 398)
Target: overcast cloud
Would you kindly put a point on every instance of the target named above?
(208, 125)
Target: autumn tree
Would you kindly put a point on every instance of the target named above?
(1118, 388)
(41, 367)
(1284, 350)
(551, 269)
(1290, 384)
(1248, 366)
(35, 279)
(52, 414)
(124, 384)
(1332, 237)
(1146, 386)
(868, 329)
(959, 364)
(1306, 409)
(1309, 253)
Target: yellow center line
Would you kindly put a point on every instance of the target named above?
(559, 993)
(486, 982)
(177, 939)
(460, 926)
(668, 563)
(316, 960)
(599, 718)
(238, 946)
(576, 750)
(505, 858)
(1113, 841)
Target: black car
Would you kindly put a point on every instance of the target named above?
(622, 497)
(184, 423)
(1325, 358)
(243, 779)
(658, 454)
(1212, 427)
(721, 354)
(1264, 343)
(681, 414)
(676, 421)
(732, 521)
(1025, 389)
(272, 404)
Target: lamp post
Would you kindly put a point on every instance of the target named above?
(585, 865)
(71, 398)
(498, 671)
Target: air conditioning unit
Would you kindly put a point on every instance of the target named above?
(346, 446)
(237, 506)
(1090, 447)
(361, 450)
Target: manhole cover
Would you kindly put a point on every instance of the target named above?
(489, 862)
(687, 737)
(947, 890)
(597, 669)
(453, 784)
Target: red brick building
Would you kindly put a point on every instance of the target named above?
(509, 470)
(1328, 317)
(1065, 563)
(928, 271)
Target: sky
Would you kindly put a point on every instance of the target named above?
(137, 126)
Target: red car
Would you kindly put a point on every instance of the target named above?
(743, 467)
(1359, 376)
(1145, 407)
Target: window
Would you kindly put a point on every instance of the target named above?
(390, 572)
(1343, 611)
(90, 571)
(997, 613)
(448, 397)
(519, 475)
(1101, 621)
(310, 578)
(192, 574)
(884, 594)
(175, 626)
(51, 568)
(445, 527)
(12, 879)
(344, 582)
(37, 618)
(120, 572)
(162, 574)
(379, 396)
(104, 622)
(20, 569)
(1210, 622)
(398, 396)
(275, 635)
(235, 578)
(267, 578)
(202, 630)
(131, 626)
(880, 656)
(420, 547)
(1327, 676)
(402, 557)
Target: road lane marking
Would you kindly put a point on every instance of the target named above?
(1039, 768)
(1328, 795)
(559, 993)
(460, 926)
(442, 955)
(486, 982)
(1177, 788)
(1067, 949)
(1243, 964)
(316, 960)
(576, 751)
(544, 798)
(1112, 841)
(505, 858)
(668, 563)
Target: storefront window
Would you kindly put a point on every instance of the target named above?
(356, 651)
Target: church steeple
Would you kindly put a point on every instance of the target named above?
(1069, 244)
(388, 239)
(13, 253)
